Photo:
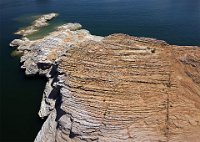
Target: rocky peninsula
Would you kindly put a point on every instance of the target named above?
(117, 88)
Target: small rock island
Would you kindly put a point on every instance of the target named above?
(42, 21)
(117, 88)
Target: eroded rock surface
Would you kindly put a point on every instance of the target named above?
(117, 88)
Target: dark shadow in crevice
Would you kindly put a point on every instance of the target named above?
(72, 134)
(59, 111)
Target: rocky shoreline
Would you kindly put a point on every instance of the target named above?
(114, 88)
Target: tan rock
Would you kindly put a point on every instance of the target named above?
(118, 88)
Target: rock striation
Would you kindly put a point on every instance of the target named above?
(42, 21)
(117, 88)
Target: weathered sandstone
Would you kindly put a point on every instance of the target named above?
(117, 88)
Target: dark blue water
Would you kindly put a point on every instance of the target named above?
(175, 21)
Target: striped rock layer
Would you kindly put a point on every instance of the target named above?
(117, 88)
(125, 88)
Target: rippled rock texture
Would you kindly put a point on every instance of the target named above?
(117, 88)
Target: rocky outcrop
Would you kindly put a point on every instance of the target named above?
(38, 23)
(116, 88)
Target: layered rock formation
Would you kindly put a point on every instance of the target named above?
(117, 88)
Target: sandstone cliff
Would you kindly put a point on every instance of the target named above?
(117, 88)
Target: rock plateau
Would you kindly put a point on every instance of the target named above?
(117, 88)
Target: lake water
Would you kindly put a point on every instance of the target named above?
(175, 21)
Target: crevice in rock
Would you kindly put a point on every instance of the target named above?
(59, 111)
(167, 109)
(72, 134)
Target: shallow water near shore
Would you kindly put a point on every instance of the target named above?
(42, 32)
(177, 22)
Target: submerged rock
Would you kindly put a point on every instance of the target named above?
(114, 88)
(17, 53)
